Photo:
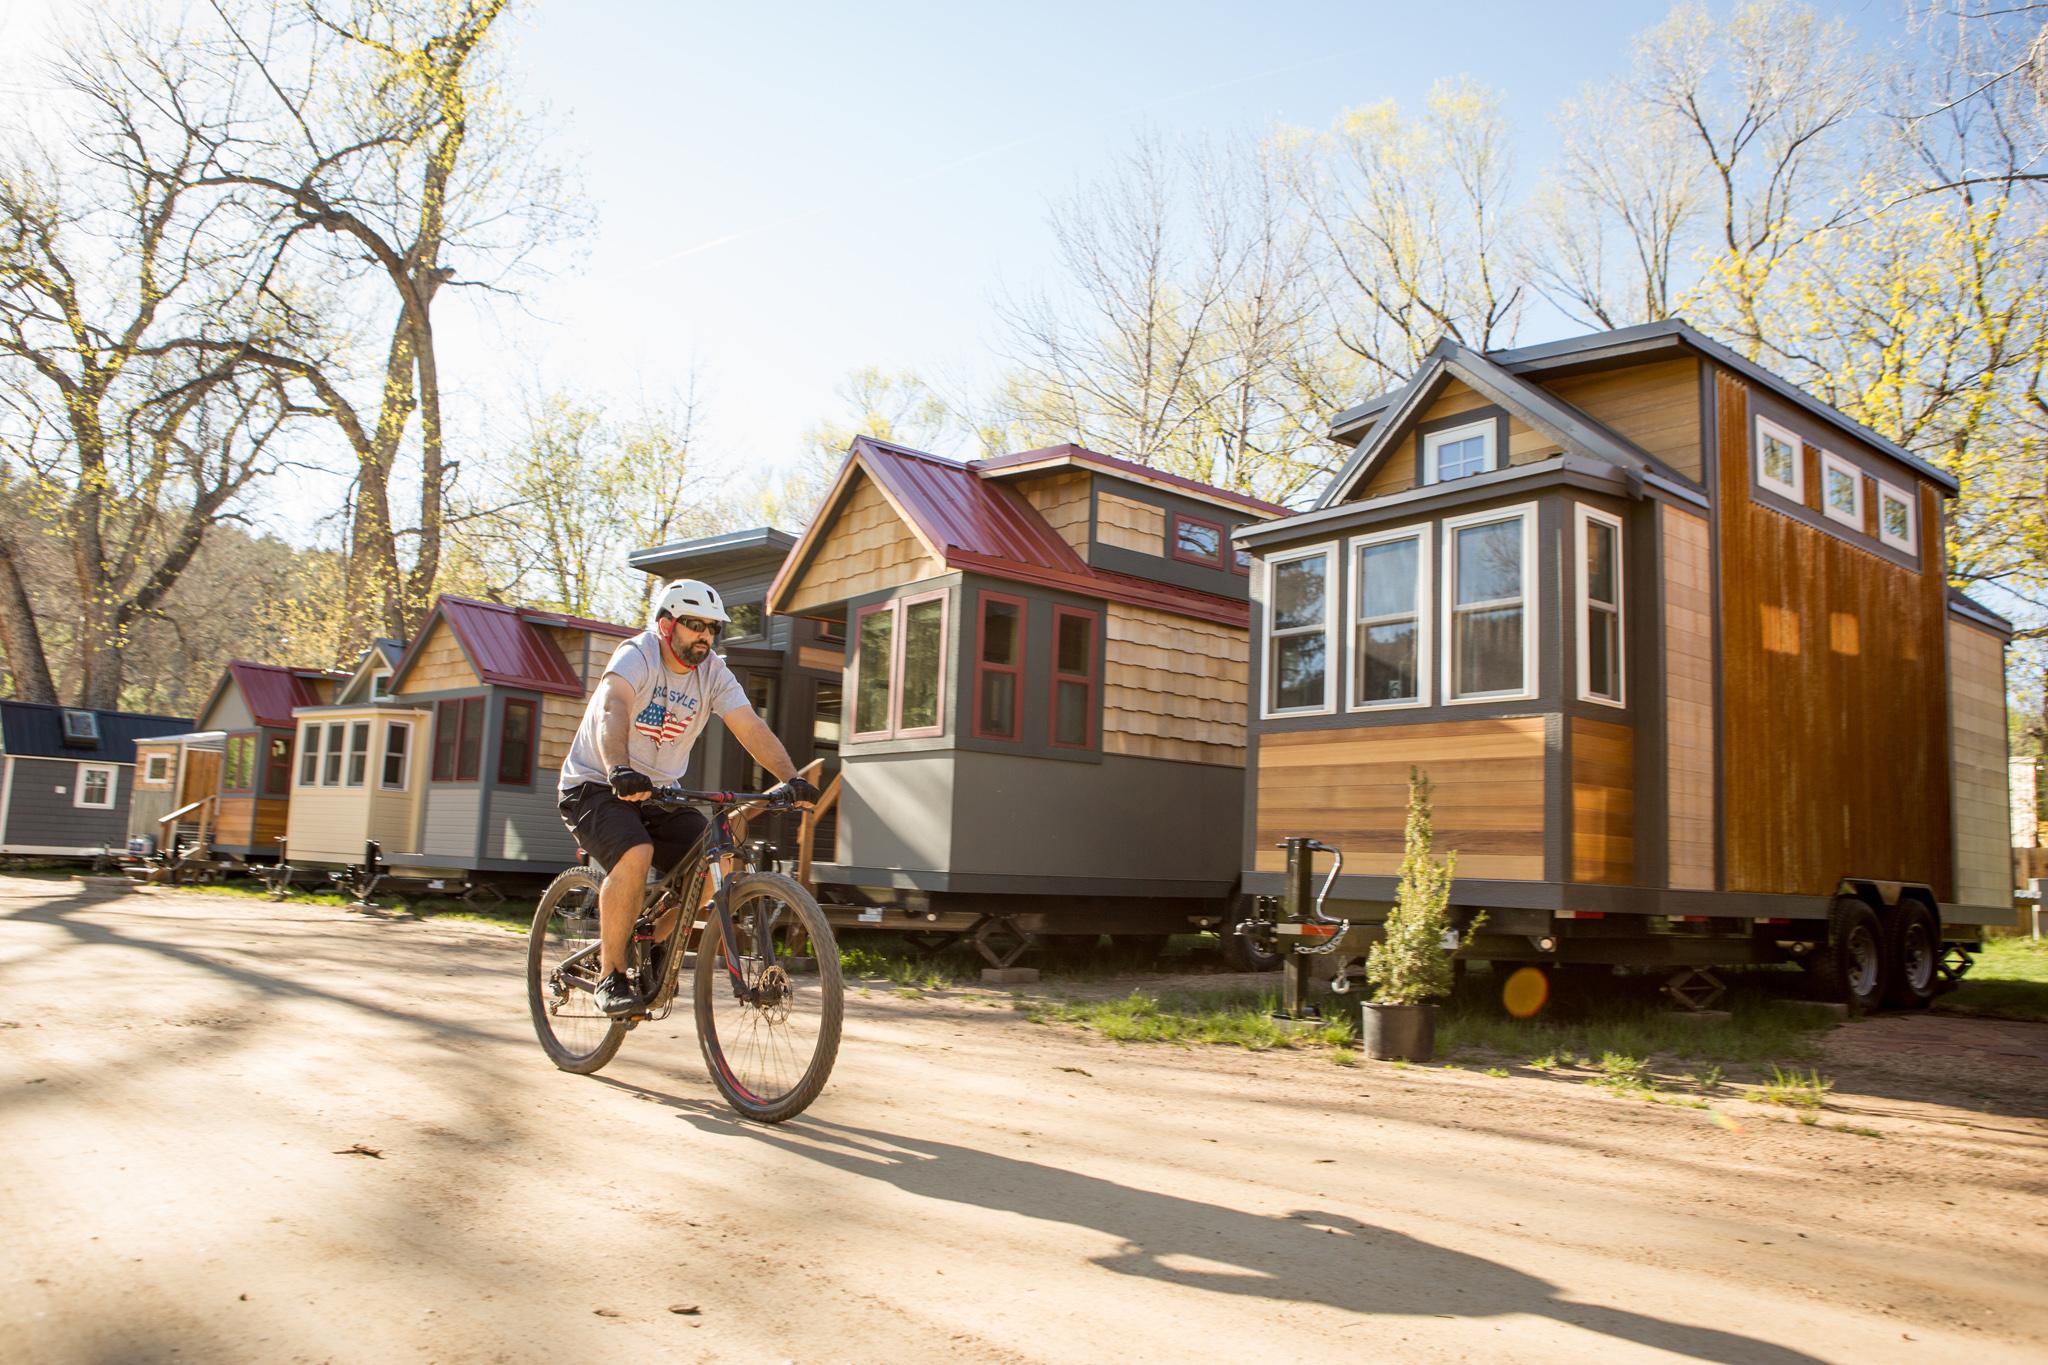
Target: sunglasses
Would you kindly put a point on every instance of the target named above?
(711, 628)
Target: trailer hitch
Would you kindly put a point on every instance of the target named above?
(1314, 913)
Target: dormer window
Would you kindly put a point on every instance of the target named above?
(81, 728)
(1196, 541)
(1458, 452)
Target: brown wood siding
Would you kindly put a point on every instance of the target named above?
(1983, 810)
(1689, 742)
(1656, 406)
(254, 823)
(559, 717)
(201, 777)
(1173, 687)
(1603, 802)
(1350, 788)
(1129, 524)
(1834, 741)
(143, 752)
(1396, 473)
(1062, 499)
(440, 665)
(867, 548)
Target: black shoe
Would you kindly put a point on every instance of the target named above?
(616, 995)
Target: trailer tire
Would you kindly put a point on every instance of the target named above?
(1239, 951)
(1912, 950)
(1851, 967)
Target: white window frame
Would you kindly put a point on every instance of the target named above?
(1425, 599)
(348, 760)
(149, 774)
(335, 747)
(1831, 463)
(113, 787)
(309, 750)
(1433, 441)
(1329, 549)
(1910, 542)
(1796, 490)
(1584, 605)
(380, 684)
(1448, 593)
(384, 757)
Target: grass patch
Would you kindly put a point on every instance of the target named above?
(874, 957)
(1793, 1090)
(1625, 1024)
(511, 921)
(2009, 980)
(1234, 1018)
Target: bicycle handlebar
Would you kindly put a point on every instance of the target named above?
(685, 796)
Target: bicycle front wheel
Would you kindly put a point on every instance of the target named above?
(561, 976)
(768, 1013)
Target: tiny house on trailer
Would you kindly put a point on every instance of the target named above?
(68, 776)
(790, 666)
(176, 779)
(494, 694)
(1044, 688)
(359, 767)
(253, 704)
(1673, 641)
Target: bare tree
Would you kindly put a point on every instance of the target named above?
(130, 415)
(386, 155)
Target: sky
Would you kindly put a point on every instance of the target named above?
(786, 193)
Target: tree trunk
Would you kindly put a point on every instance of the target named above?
(19, 635)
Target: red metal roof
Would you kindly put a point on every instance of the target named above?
(1002, 465)
(272, 690)
(979, 525)
(507, 646)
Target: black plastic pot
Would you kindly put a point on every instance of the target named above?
(1399, 1033)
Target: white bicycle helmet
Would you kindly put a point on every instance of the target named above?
(688, 597)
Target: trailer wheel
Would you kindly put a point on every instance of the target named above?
(1240, 951)
(1850, 967)
(1912, 955)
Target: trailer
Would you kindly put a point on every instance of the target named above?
(1673, 641)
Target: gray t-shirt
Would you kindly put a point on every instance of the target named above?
(669, 712)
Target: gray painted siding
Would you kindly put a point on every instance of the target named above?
(39, 816)
(231, 712)
(452, 811)
(524, 824)
(895, 810)
(1126, 819)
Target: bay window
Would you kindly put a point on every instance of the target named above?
(517, 735)
(1390, 622)
(458, 739)
(1300, 617)
(358, 752)
(1599, 556)
(330, 770)
(1488, 562)
(899, 658)
(397, 748)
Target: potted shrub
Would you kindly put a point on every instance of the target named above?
(1409, 968)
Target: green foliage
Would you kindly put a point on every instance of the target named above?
(2009, 980)
(1409, 965)
(1793, 1090)
(1236, 1018)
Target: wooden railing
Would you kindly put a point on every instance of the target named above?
(807, 836)
(168, 825)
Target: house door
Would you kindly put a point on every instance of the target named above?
(201, 777)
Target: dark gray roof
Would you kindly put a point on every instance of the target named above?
(32, 730)
(392, 650)
(1646, 338)
(705, 554)
(1962, 604)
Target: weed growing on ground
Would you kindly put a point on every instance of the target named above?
(1497, 1071)
(1794, 1091)
(1859, 1132)
(1343, 1056)
(1622, 1074)
(1239, 1018)
(1547, 1062)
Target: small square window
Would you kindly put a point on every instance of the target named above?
(156, 769)
(1841, 490)
(1780, 466)
(1896, 524)
(1458, 452)
(81, 727)
(1196, 541)
(95, 787)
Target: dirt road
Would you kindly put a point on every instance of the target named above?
(183, 1178)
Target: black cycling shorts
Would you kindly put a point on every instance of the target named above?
(607, 827)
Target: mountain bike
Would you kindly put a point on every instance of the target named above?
(765, 970)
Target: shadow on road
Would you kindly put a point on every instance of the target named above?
(1296, 1259)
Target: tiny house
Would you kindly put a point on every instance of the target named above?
(253, 704)
(1674, 642)
(174, 775)
(359, 767)
(790, 666)
(68, 776)
(1044, 686)
(487, 698)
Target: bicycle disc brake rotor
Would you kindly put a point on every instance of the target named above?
(773, 992)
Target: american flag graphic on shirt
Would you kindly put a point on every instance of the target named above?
(664, 723)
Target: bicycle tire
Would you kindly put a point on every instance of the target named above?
(576, 1037)
(769, 1062)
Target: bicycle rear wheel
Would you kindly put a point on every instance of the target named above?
(561, 974)
(771, 1049)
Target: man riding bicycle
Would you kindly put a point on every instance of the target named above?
(658, 691)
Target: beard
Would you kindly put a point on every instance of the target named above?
(695, 652)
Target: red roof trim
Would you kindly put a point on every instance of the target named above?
(504, 643)
(273, 691)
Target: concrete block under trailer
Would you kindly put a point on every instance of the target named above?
(1875, 942)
